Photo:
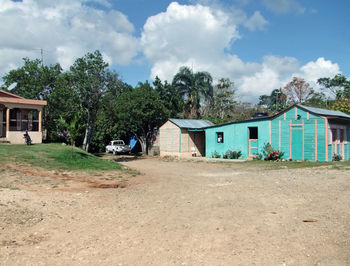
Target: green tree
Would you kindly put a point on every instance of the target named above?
(140, 112)
(318, 99)
(107, 126)
(170, 96)
(223, 99)
(193, 87)
(275, 102)
(63, 102)
(89, 80)
(32, 80)
(343, 105)
(339, 86)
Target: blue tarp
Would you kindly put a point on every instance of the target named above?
(133, 142)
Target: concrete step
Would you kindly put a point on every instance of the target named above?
(4, 141)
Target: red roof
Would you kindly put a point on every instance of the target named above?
(7, 97)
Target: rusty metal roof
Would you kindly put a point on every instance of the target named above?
(191, 123)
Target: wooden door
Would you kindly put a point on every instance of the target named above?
(297, 143)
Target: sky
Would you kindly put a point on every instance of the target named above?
(260, 45)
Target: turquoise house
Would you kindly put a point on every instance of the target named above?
(301, 132)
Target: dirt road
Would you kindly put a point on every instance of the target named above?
(178, 213)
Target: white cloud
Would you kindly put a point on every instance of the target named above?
(186, 34)
(284, 6)
(200, 37)
(312, 71)
(256, 22)
(276, 72)
(65, 30)
(187, 31)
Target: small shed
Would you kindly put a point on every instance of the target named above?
(301, 132)
(18, 114)
(183, 137)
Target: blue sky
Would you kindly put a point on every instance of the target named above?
(260, 45)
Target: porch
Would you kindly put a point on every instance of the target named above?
(18, 115)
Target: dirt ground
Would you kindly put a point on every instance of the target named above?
(175, 213)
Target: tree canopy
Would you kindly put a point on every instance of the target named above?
(339, 86)
(92, 103)
(298, 90)
(89, 80)
(32, 80)
(141, 112)
(193, 87)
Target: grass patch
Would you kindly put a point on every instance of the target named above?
(55, 156)
(270, 165)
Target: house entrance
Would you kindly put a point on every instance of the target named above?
(253, 145)
(297, 143)
(2, 121)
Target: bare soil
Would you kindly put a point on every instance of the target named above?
(175, 213)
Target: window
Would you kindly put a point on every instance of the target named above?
(341, 135)
(253, 132)
(220, 137)
(24, 119)
(334, 135)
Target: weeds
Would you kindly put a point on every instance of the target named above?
(55, 156)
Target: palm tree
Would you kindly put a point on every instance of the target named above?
(193, 87)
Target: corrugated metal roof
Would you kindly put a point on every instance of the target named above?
(325, 112)
(191, 123)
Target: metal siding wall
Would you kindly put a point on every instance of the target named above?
(348, 142)
(211, 140)
(321, 138)
(330, 154)
(275, 133)
(309, 134)
(285, 137)
(235, 137)
(309, 140)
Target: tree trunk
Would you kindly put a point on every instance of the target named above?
(88, 133)
(144, 145)
(85, 139)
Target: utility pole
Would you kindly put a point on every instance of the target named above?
(42, 56)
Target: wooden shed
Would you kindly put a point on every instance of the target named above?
(301, 132)
(182, 137)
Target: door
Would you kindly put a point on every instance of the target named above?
(297, 143)
(2, 123)
(253, 145)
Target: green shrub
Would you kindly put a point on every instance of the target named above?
(259, 157)
(336, 157)
(232, 154)
(270, 154)
(215, 154)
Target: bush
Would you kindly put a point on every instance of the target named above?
(259, 157)
(215, 154)
(232, 154)
(270, 154)
(336, 157)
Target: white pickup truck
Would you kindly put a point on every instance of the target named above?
(118, 147)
